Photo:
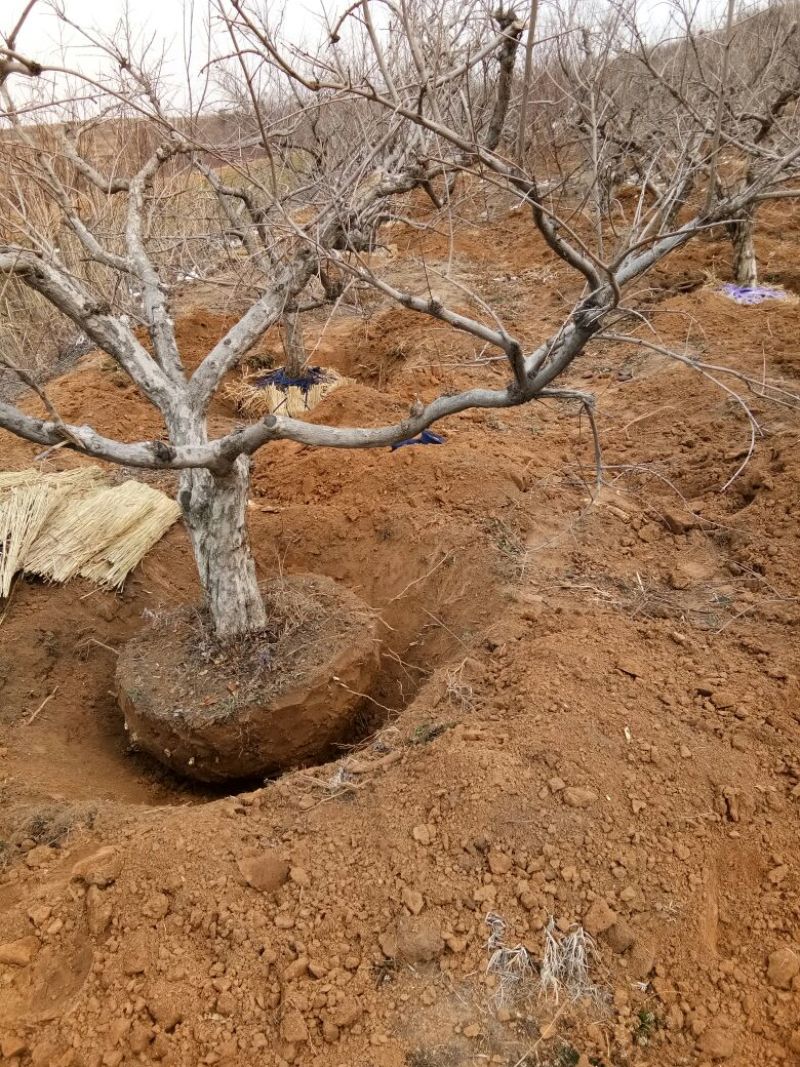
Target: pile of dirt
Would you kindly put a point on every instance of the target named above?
(587, 713)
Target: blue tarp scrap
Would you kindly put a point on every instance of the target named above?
(281, 380)
(751, 294)
(427, 437)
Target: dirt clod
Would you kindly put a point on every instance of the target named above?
(719, 1041)
(19, 953)
(101, 868)
(599, 918)
(782, 966)
(578, 796)
(265, 872)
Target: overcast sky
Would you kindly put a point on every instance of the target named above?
(173, 25)
(176, 28)
(44, 35)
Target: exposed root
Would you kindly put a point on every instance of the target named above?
(566, 963)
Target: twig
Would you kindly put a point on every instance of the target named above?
(421, 578)
(54, 448)
(598, 451)
(43, 704)
(365, 696)
(94, 641)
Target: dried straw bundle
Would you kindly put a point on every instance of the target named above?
(63, 524)
(27, 500)
(22, 515)
(79, 479)
(102, 535)
(255, 400)
(155, 513)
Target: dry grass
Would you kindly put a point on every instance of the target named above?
(62, 525)
(27, 502)
(255, 401)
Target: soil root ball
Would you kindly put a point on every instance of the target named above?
(257, 705)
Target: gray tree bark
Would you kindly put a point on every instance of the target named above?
(293, 346)
(745, 265)
(215, 512)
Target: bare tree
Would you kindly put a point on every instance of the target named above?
(715, 102)
(379, 110)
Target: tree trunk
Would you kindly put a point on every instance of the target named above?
(293, 346)
(745, 267)
(215, 512)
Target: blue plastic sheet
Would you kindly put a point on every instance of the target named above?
(281, 380)
(755, 294)
(427, 437)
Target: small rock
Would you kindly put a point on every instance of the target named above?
(226, 1004)
(675, 1018)
(299, 876)
(620, 936)
(579, 796)
(330, 1032)
(630, 667)
(102, 868)
(642, 958)
(599, 918)
(718, 1042)
(293, 1028)
(157, 907)
(135, 959)
(556, 784)
(297, 968)
(141, 1038)
(418, 939)
(11, 1046)
(723, 698)
(499, 862)
(782, 965)
(413, 900)
(266, 872)
(117, 1030)
(19, 953)
(165, 1013)
(347, 1013)
(421, 834)
(40, 914)
(40, 856)
(473, 1030)
(98, 911)
(388, 944)
(778, 874)
(674, 522)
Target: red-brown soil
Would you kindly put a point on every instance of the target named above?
(588, 710)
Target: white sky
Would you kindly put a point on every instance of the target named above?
(175, 24)
(44, 37)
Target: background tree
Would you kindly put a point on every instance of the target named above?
(386, 105)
